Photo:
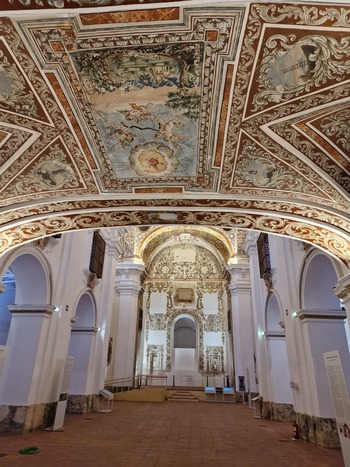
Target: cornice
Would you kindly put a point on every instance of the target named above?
(321, 315)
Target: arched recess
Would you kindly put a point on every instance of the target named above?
(184, 343)
(279, 374)
(318, 280)
(26, 282)
(81, 344)
(322, 327)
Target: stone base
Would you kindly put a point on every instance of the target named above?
(23, 419)
(320, 431)
(277, 411)
(80, 403)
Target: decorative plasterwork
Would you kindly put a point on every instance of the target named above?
(145, 96)
(169, 272)
(335, 241)
(271, 150)
(61, 4)
(214, 360)
(155, 355)
(212, 236)
(204, 265)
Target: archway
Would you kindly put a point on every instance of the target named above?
(322, 329)
(25, 282)
(81, 347)
(281, 397)
(185, 343)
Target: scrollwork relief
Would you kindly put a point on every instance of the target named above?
(291, 66)
(338, 124)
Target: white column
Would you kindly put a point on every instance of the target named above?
(258, 311)
(127, 287)
(321, 331)
(242, 324)
(28, 341)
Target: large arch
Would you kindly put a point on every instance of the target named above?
(26, 280)
(333, 240)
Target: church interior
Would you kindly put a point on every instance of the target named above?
(174, 209)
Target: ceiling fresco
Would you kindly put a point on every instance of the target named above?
(224, 114)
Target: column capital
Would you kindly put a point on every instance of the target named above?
(342, 289)
(127, 280)
(240, 277)
(250, 244)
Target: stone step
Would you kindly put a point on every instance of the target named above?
(183, 396)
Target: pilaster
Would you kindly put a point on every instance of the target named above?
(242, 324)
(23, 375)
(127, 287)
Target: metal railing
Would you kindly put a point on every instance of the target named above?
(136, 382)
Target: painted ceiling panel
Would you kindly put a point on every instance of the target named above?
(231, 114)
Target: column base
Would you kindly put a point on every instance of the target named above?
(278, 412)
(80, 403)
(320, 431)
(23, 419)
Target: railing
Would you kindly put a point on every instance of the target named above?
(136, 382)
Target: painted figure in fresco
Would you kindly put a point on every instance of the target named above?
(166, 130)
(138, 112)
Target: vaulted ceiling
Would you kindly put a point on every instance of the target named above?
(222, 114)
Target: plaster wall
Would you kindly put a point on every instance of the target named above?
(210, 303)
(158, 301)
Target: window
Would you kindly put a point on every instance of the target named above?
(264, 254)
(97, 254)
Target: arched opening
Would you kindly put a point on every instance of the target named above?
(184, 344)
(30, 279)
(319, 280)
(278, 366)
(25, 283)
(185, 334)
(185, 355)
(7, 297)
(322, 329)
(81, 347)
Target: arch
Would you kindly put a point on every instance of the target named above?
(330, 238)
(81, 344)
(184, 357)
(32, 276)
(278, 365)
(273, 314)
(319, 277)
(26, 279)
(209, 237)
(171, 321)
(185, 333)
(85, 312)
(7, 297)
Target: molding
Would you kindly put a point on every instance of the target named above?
(321, 314)
(32, 309)
(275, 334)
(85, 330)
(342, 289)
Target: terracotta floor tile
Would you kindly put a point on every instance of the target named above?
(164, 435)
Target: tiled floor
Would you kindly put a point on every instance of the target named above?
(167, 434)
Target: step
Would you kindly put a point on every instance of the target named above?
(183, 396)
